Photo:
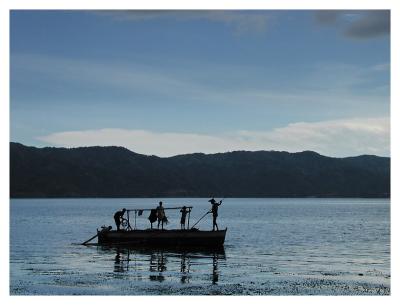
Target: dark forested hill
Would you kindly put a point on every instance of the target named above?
(118, 172)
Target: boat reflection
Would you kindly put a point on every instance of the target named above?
(162, 261)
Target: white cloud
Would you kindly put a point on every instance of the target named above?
(347, 137)
(240, 21)
(381, 67)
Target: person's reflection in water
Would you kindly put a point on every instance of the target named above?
(157, 264)
(184, 269)
(161, 262)
(153, 265)
(119, 265)
(215, 269)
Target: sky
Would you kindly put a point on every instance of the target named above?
(173, 82)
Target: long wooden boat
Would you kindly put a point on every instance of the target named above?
(130, 235)
(178, 238)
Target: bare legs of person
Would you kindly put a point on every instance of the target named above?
(215, 223)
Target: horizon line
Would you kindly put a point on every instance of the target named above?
(207, 154)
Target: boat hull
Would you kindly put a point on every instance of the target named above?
(163, 238)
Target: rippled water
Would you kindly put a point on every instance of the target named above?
(272, 247)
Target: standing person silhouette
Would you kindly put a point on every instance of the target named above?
(184, 211)
(214, 211)
(160, 216)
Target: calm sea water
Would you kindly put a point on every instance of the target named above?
(272, 247)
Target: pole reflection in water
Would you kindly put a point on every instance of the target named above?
(180, 264)
(185, 268)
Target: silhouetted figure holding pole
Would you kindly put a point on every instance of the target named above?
(214, 211)
(184, 212)
(161, 216)
(118, 217)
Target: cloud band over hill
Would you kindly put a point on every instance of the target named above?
(339, 138)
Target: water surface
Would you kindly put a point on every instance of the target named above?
(272, 247)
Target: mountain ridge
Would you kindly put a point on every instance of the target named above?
(114, 171)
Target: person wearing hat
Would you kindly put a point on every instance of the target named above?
(118, 217)
(184, 211)
(214, 211)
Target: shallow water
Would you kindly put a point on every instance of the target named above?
(272, 247)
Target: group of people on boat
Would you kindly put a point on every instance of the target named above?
(158, 214)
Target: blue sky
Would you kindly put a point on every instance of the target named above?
(168, 82)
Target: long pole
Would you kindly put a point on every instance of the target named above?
(175, 208)
(135, 220)
(200, 219)
(188, 219)
(85, 242)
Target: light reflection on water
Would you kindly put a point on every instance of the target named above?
(273, 246)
